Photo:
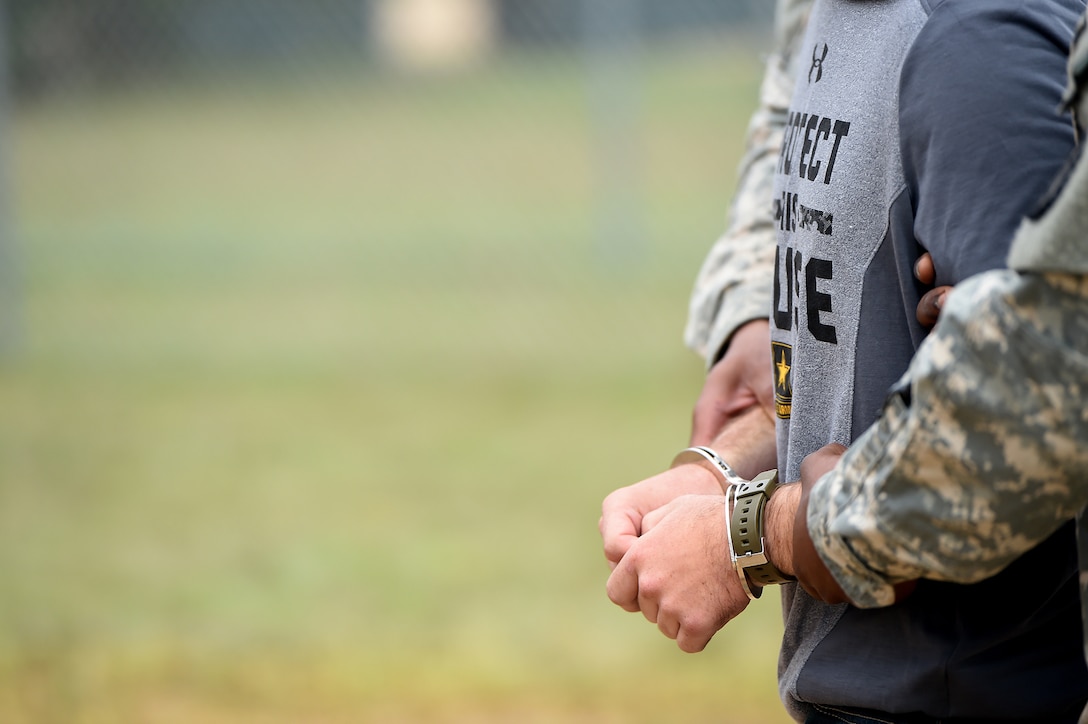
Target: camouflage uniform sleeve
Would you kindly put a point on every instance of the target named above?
(979, 454)
(734, 284)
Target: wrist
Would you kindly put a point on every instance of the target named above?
(744, 329)
(753, 535)
(748, 442)
(780, 517)
(710, 461)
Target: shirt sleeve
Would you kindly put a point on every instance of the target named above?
(979, 454)
(980, 134)
(734, 283)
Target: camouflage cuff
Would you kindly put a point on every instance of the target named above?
(861, 584)
(754, 307)
(841, 512)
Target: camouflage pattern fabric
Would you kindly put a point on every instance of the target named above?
(734, 284)
(988, 457)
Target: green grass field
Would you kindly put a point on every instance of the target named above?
(320, 384)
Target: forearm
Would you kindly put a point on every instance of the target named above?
(747, 442)
(778, 529)
(982, 455)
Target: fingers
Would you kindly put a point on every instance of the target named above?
(709, 413)
(651, 519)
(668, 625)
(621, 521)
(706, 421)
(811, 572)
(924, 271)
(740, 380)
(694, 640)
(691, 635)
(929, 306)
(620, 524)
(633, 590)
(817, 464)
(630, 587)
(674, 572)
(721, 398)
(648, 604)
(619, 530)
(622, 586)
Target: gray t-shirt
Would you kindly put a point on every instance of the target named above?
(916, 125)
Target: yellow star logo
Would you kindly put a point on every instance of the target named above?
(783, 370)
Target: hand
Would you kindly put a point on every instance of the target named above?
(747, 443)
(679, 574)
(740, 380)
(818, 464)
(624, 510)
(929, 306)
(811, 572)
(809, 568)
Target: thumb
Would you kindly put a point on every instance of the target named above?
(619, 531)
(817, 464)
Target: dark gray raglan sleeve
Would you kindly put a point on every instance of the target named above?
(981, 135)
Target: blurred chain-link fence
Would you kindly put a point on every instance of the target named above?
(62, 51)
(63, 44)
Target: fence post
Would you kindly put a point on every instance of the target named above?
(10, 277)
(612, 34)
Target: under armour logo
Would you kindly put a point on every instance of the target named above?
(817, 62)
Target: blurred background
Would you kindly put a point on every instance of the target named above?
(324, 329)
